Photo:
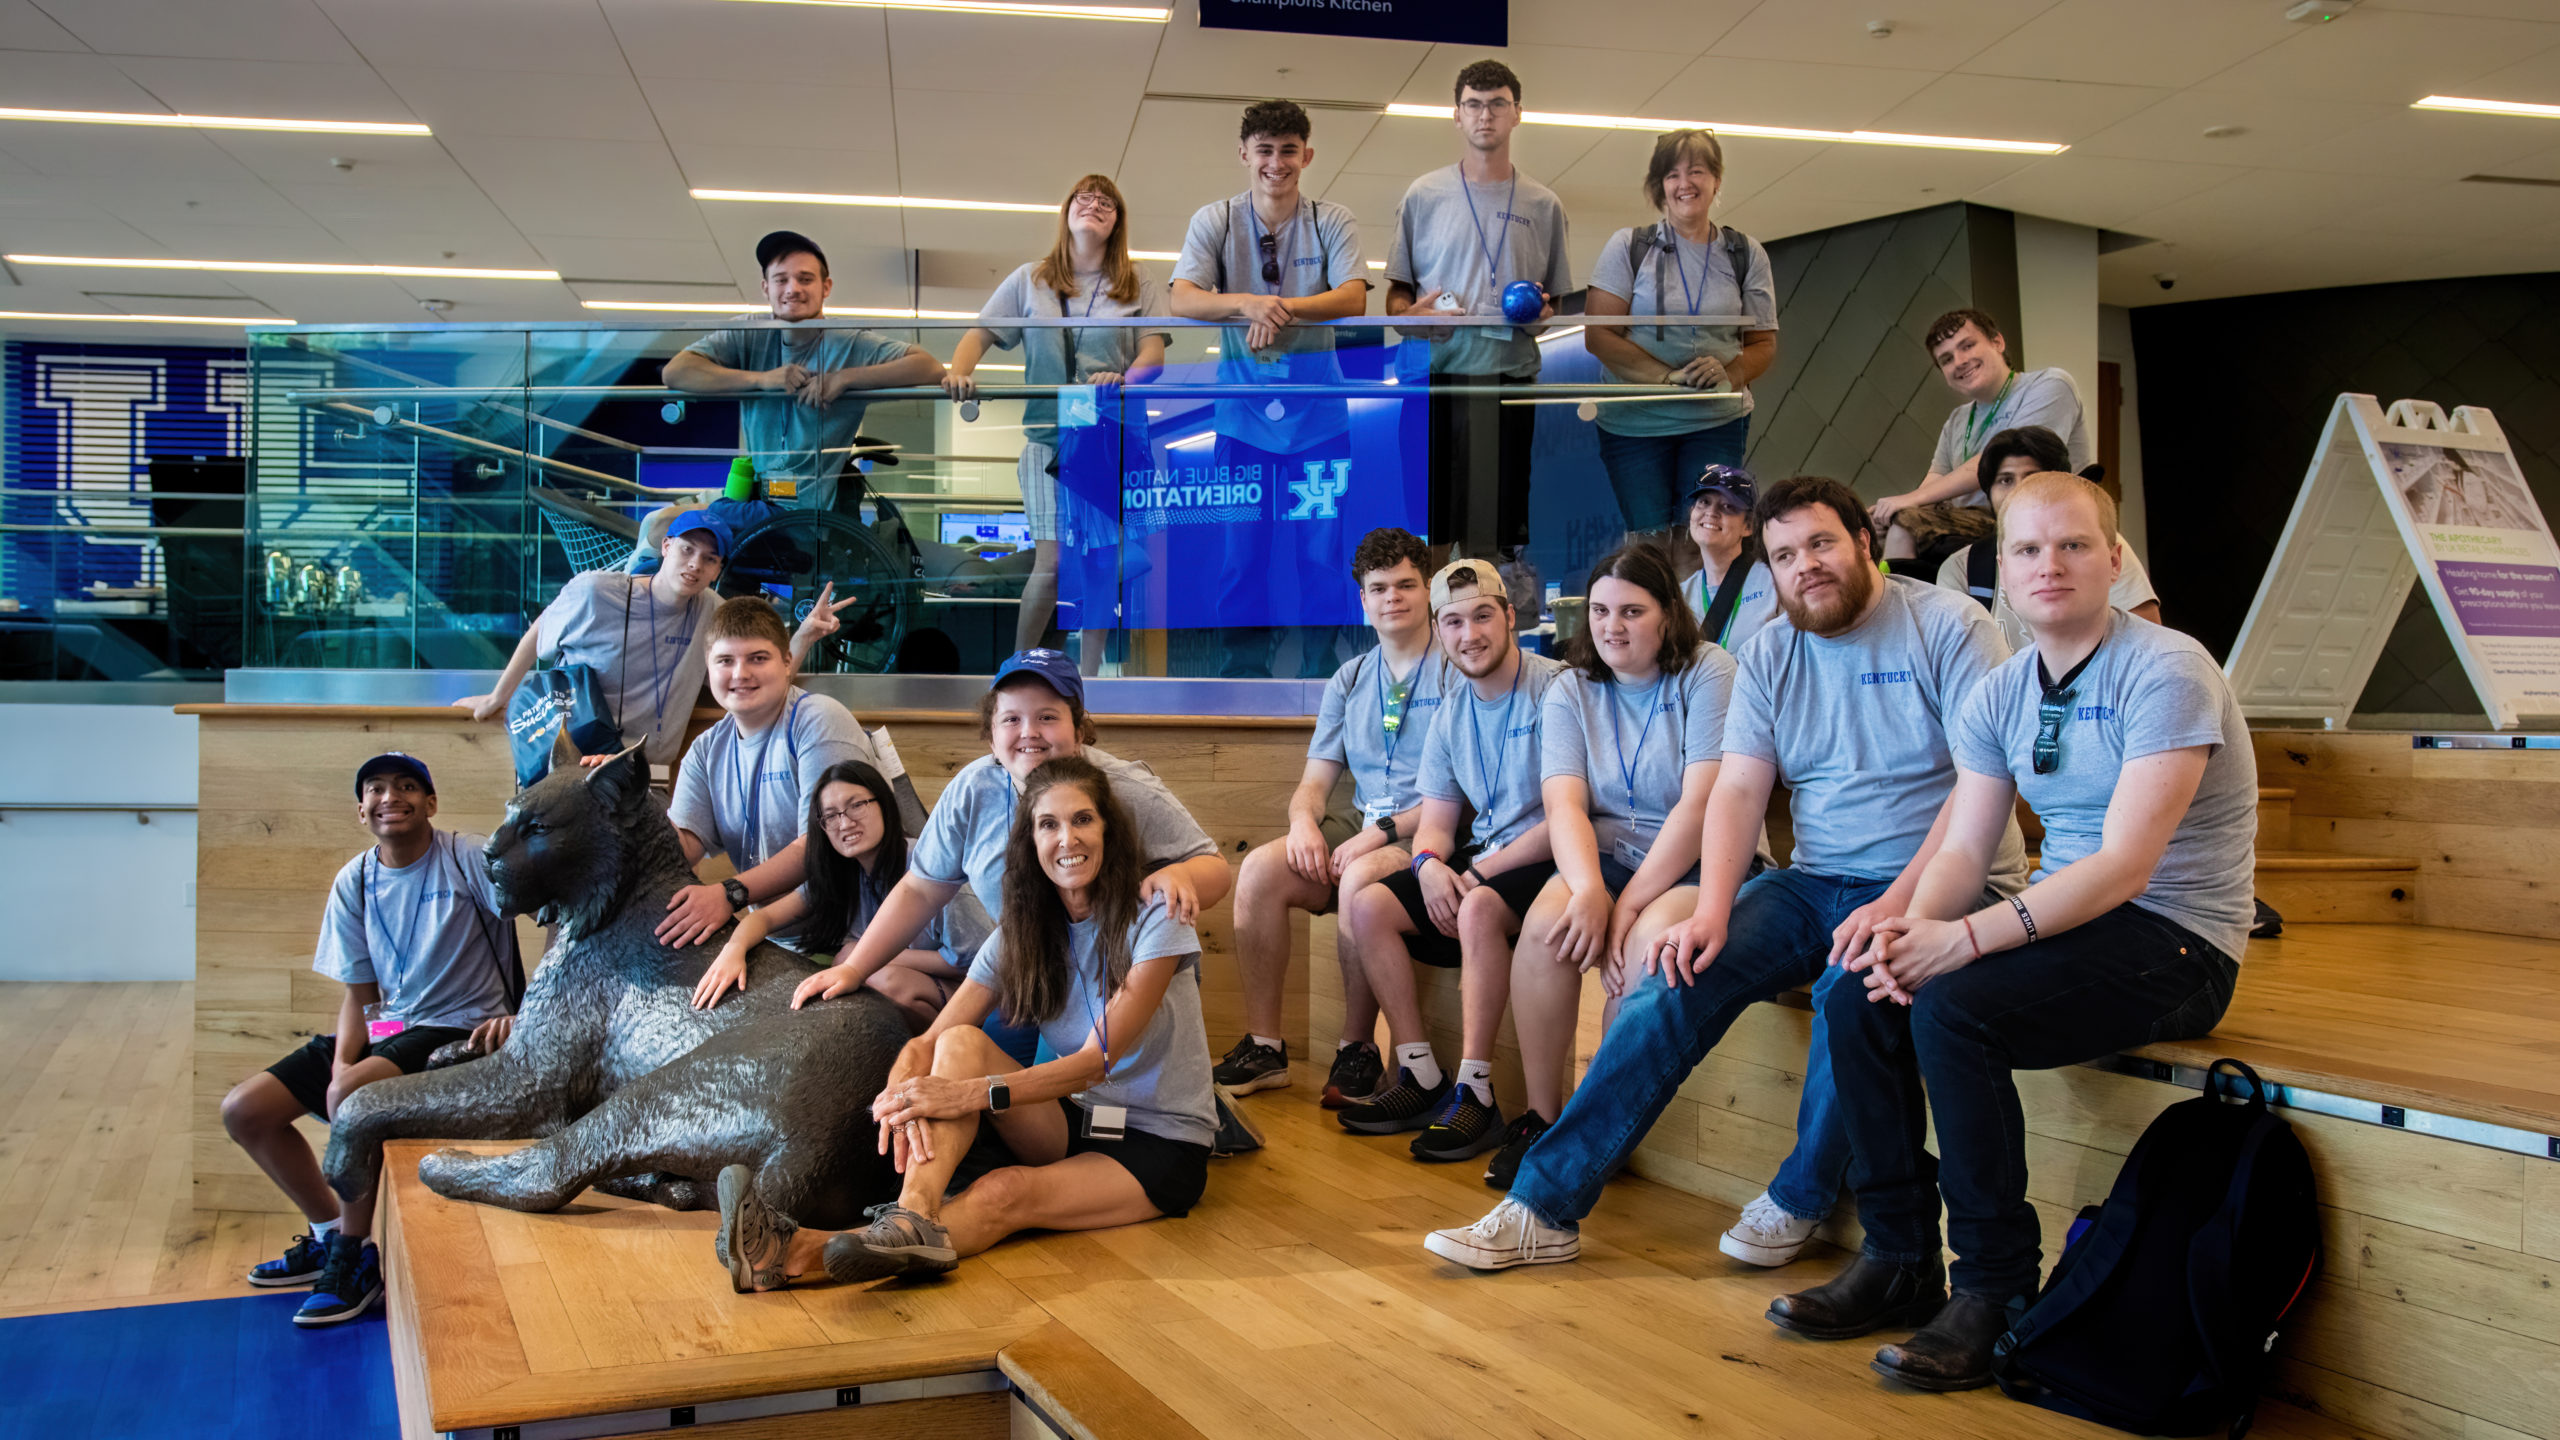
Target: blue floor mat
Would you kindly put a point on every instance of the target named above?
(209, 1368)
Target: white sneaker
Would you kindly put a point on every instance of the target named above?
(1766, 1235)
(1508, 1235)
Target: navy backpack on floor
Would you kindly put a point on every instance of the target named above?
(2162, 1315)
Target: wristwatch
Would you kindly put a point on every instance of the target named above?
(1387, 827)
(736, 890)
(999, 1094)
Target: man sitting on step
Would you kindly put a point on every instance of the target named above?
(1846, 698)
(2009, 457)
(413, 931)
(1375, 718)
(2126, 741)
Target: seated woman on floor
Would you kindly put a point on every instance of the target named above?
(854, 811)
(1114, 1131)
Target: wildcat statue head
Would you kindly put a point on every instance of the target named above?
(576, 841)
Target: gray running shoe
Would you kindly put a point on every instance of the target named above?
(898, 1241)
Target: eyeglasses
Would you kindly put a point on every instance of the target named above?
(1473, 108)
(2050, 713)
(1270, 245)
(1095, 200)
(833, 818)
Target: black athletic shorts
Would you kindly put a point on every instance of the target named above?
(305, 1073)
(1173, 1174)
(1618, 877)
(1517, 886)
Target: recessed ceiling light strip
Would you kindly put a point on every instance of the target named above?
(282, 267)
(215, 122)
(1142, 14)
(145, 319)
(2487, 107)
(1763, 132)
(906, 202)
(714, 307)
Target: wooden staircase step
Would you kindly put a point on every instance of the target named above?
(2314, 887)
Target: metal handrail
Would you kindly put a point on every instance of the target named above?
(1025, 322)
(1178, 390)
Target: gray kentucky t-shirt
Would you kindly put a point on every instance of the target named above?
(1045, 356)
(2147, 689)
(2034, 397)
(790, 441)
(1678, 276)
(1482, 752)
(649, 657)
(2133, 587)
(955, 932)
(1633, 744)
(1755, 607)
(1351, 728)
(972, 820)
(746, 796)
(1317, 248)
(1857, 727)
(1473, 241)
(422, 932)
(1163, 1079)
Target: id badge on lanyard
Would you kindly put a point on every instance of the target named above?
(1629, 854)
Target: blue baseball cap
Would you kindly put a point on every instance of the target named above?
(393, 762)
(702, 522)
(1052, 666)
(1731, 480)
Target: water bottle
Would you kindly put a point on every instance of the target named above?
(742, 479)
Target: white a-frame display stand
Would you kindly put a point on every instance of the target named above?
(2392, 498)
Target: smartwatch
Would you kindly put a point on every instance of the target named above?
(736, 890)
(999, 1094)
(1387, 827)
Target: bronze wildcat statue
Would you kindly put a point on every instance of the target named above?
(633, 1090)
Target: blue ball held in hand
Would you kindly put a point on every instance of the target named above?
(1522, 300)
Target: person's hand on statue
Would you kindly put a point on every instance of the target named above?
(490, 1035)
(728, 972)
(694, 914)
(827, 984)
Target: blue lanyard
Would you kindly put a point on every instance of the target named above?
(1395, 733)
(662, 677)
(752, 800)
(399, 944)
(1706, 263)
(1653, 712)
(1100, 1013)
(1484, 752)
(1502, 219)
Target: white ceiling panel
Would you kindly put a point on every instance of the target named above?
(1028, 236)
(2270, 127)
(733, 231)
(971, 149)
(1192, 61)
(2479, 212)
(2386, 56)
(1779, 212)
(50, 81)
(1718, 90)
(152, 205)
(438, 240)
(1900, 179)
(2173, 43)
(2413, 147)
(797, 115)
(349, 91)
(753, 45)
(25, 27)
(231, 30)
(607, 259)
(48, 235)
(1083, 58)
(2102, 190)
(1930, 34)
(582, 187)
(531, 103)
(2007, 108)
(207, 240)
(1576, 79)
(1674, 26)
(168, 156)
(2259, 206)
(2535, 77)
(376, 163)
(823, 172)
(566, 35)
(1411, 146)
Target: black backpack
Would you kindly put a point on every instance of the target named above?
(2163, 1312)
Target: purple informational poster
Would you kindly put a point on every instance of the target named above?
(2482, 541)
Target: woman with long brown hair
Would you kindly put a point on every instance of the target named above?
(1087, 274)
(1116, 1130)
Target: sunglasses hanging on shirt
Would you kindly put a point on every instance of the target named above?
(2052, 710)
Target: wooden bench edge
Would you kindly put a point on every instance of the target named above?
(1063, 1377)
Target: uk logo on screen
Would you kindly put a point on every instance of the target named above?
(1319, 496)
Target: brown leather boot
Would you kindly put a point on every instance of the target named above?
(1954, 1351)
(1870, 1295)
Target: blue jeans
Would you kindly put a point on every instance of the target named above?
(1808, 1181)
(1651, 472)
(1779, 937)
(2127, 978)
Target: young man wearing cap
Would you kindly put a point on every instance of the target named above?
(802, 386)
(1033, 711)
(412, 930)
(1377, 713)
(644, 636)
(1461, 904)
(1848, 701)
(1731, 592)
(1950, 506)
(1266, 260)
(2009, 457)
(741, 791)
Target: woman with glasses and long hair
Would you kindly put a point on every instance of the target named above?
(1087, 274)
(1114, 1131)
(854, 811)
(1683, 264)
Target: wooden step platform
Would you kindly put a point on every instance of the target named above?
(1295, 1301)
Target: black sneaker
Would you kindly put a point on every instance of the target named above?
(1405, 1105)
(348, 1286)
(1465, 1128)
(1253, 1066)
(1236, 1134)
(301, 1263)
(1523, 1132)
(1357, 1073)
